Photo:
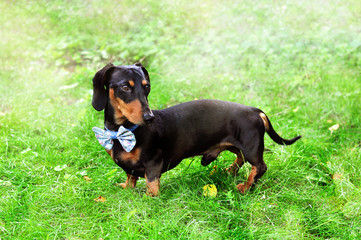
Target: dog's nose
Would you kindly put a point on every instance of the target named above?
(148, 117)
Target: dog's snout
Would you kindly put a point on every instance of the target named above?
(148, 117)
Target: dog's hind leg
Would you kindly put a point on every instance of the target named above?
(258, 169)
(238, 163)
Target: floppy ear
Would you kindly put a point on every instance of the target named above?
(99, 91)
(138, 64)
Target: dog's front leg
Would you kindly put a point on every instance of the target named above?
(130, 182)
(152, 177)
(153, 171)
(153, 186)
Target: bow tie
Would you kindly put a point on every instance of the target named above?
(124, 135)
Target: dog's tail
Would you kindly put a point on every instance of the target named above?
(272, 133)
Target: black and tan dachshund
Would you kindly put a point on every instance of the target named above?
(165, 137)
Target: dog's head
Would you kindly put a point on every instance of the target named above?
(125, 89)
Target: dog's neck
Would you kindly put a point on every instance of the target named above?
(114, 127)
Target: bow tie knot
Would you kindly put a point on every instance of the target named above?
(125, 136)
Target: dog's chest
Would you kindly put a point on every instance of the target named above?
(127, 159)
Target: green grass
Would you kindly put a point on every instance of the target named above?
(298, 61)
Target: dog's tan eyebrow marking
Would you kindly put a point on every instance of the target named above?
(131, 83)
(144, 82)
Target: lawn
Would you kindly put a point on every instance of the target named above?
(299, 61)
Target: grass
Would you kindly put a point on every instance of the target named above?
(298, 61)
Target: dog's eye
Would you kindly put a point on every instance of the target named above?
(126, 88)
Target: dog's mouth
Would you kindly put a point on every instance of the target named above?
(134, 111)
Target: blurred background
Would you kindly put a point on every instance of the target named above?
(299, 61)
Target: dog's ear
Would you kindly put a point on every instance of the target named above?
(99, 89)
(138, 64)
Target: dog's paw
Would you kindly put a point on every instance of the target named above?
(152, 194)
(241, 187)
(123, 185)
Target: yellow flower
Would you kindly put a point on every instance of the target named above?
(210, 190)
